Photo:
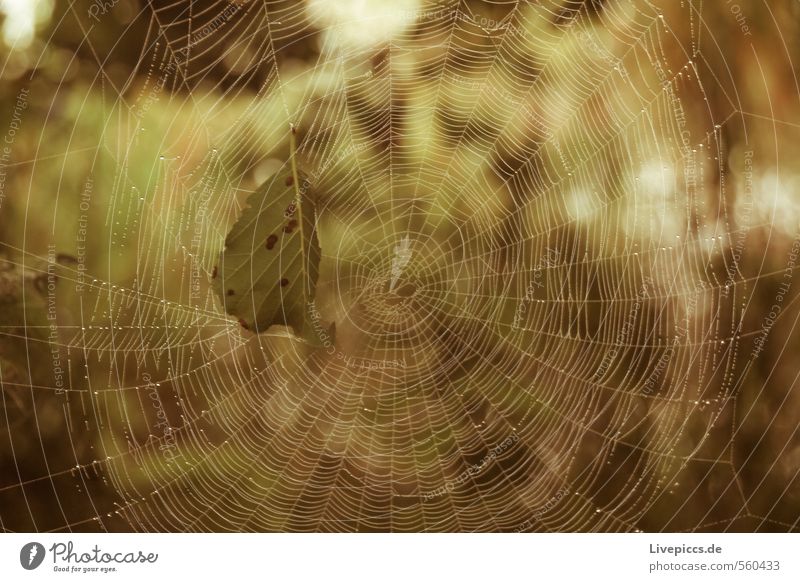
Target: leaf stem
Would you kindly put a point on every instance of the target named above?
(299, 204)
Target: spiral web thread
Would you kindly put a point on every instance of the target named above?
(540, 184)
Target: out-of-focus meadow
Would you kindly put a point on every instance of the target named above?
(592, 342)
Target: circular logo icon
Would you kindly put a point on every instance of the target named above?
(31, 555)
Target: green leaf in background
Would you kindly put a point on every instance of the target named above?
(270, 264)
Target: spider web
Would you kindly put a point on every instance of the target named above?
(526, 251)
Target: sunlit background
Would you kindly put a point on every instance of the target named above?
(597, 324)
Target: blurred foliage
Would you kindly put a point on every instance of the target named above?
(164, 156)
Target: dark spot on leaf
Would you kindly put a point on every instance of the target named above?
(40, 283)
(243, 323)
(289, 180)
(230, 292)
(290, 227)
(271, 240)
(214, 272)
(64, 258)
(284, 282)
